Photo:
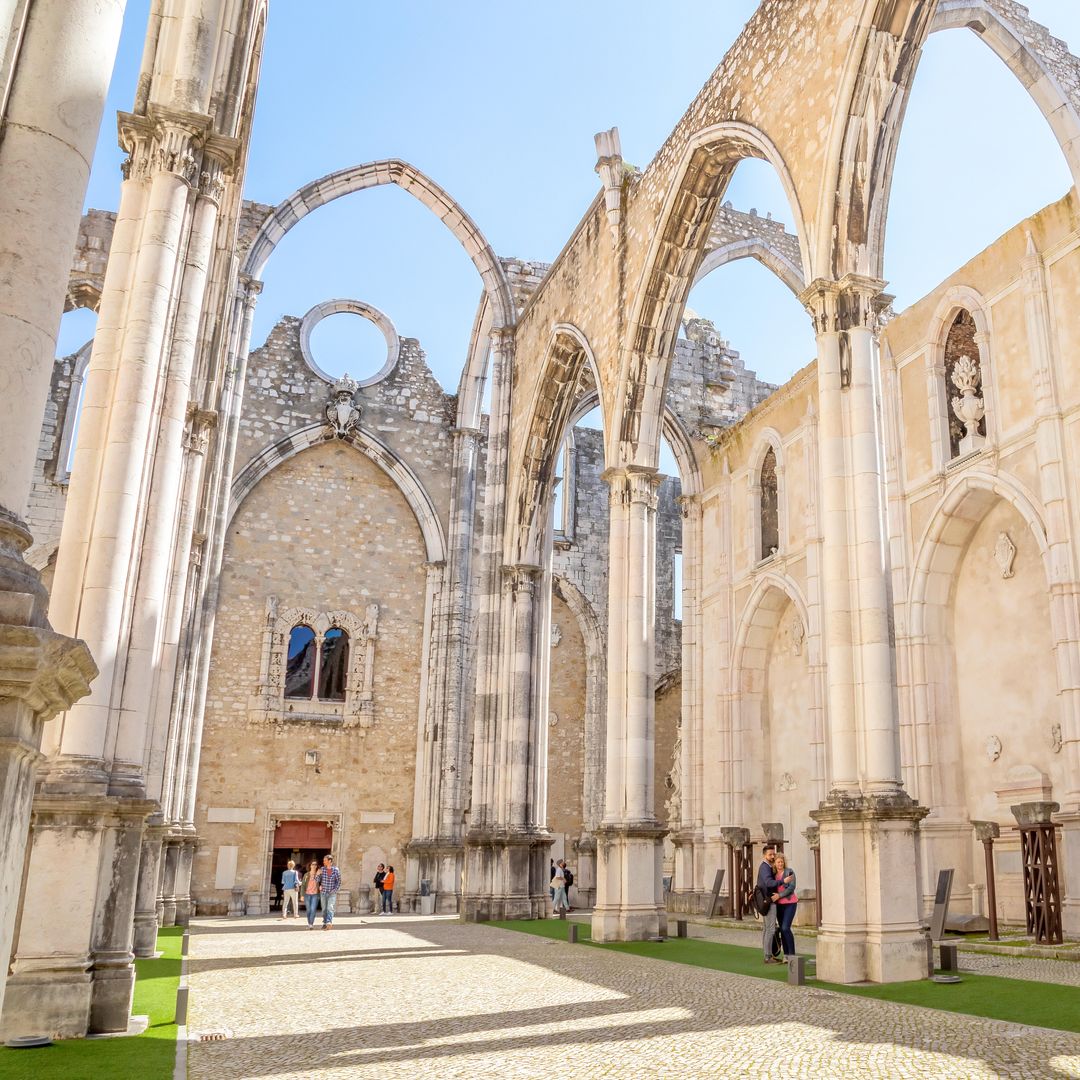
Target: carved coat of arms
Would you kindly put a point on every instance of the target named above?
(342, 413)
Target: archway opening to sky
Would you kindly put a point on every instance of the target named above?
(753, 310)
(383, 247)
(975, 157)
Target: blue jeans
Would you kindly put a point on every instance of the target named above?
(388, 900)
(311, 902)
(768, 931)
(329, 902)
(786, 916)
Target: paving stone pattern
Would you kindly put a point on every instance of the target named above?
(405, 996)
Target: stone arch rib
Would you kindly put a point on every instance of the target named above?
(671, 267)
(416, 495)
(375, 174)
(1045, 67)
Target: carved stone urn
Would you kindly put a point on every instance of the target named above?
(968, 405)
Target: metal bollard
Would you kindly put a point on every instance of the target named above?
(181, 1005)
(571, 932)
(796, 971)
(184, 942)
(950, 961)
(680, 928)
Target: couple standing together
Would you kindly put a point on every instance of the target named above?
(384, 882)
(318, 884)
(776, 883)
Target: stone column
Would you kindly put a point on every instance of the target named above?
(523, 588)
(871, 929)
(53, 99)
(689, 839)
(146, 893)
(62, 68)
(99, 549)
(487, 767)
(170, 857)
(629, 900)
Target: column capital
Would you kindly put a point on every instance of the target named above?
(248, 289)
(853, 302)
(689, 506)
(521, 578)
(43, 669)
(632, 484)
(200, 422)
(162, 140)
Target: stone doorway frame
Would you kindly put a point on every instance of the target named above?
(276, 813)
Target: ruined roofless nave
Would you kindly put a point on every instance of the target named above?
(236, 591)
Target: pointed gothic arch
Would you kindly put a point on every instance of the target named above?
(416, 495)
(670, 270)
(410, 179)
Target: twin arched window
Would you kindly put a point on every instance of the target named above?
(310, 664)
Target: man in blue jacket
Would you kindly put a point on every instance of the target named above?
(768, 882)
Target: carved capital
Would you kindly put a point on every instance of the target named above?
(853, 302)
(199, 425)
(248, 290)
(522, 579)
(43, 669)
(634, 484)
(689, 507)
(164, 140)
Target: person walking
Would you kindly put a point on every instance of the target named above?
(388, 892)
(767, 884)
(785, 903)
(559, 905)
(380, 876)
(568, 876)
(310, 887)
(329, 879)
(290, 891)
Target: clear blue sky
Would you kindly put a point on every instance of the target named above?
(498, 104)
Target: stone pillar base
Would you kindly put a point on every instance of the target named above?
(506, 875)
(47, 998)
(87, 849)
(439, 861)
(871, 930)
(629, 883)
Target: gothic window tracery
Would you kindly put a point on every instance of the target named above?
(300, 662)
(317, 667)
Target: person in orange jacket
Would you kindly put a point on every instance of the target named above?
(388, 892)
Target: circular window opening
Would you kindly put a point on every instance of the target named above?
(345, 343)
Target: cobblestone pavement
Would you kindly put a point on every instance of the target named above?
(405, 996)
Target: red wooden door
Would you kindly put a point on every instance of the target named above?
(308, 835)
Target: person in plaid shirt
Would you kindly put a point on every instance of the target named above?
(329, 881)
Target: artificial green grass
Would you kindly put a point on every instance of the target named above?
(149, 1056)
(1018, 1001)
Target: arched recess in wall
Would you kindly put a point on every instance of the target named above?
(365, 443)
(595, 698)
(777, 704)
(671, 266)
(569, 368)
(931, 751)
(767, 512)
(287, 214)
(874, 124)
